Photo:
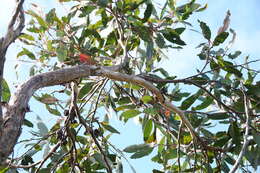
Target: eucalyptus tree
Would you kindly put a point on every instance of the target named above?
(103, 55)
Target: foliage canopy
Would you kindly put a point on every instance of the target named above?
(135, 34)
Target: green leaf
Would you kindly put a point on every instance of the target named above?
(132, 86)
(43, 129)
(26, 160)
(123, 107)
(234, 55)
(130, 114)
(85, 89)
(109, 128)
(148, 127)
(234, 132)
(62, 53)
(220, 38)
(26, 52)
(136, 148)
(148, 12)
(151, 111)
(52, 111)
(207, 101)
(205, 30)
(27, 37)
(40, 20)
(256, 137)
(162, 71)
(27, 123)
(142, 153)
(147, 99)
(173, 36)
(5, 91)
(124, 100)
(159, 40)
(102, 3)
(189, 101)
(86, 10)
(218, 116)
(50, 16)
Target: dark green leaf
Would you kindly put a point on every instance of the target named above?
(136, 148)
(234, 132)
(205, 30)
(27, 123)
(207, 101)
(26, 160)
(109, 128)
(86, 10)
(124, 100)
(218, 116)
(220, 38)
(159, 40)
(148, 12)
(190, 100)
(102, 3)
(173, 36)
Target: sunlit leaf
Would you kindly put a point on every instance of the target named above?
(220, 38)
(5, 91)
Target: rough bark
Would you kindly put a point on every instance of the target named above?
(12, 34)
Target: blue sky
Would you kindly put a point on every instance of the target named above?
(244, 20)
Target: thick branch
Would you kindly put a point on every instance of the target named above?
(11, 36)
(18, 106)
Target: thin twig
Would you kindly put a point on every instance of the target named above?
(179, 148)
(246, 140)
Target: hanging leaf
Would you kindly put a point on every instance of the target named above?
(109, 128)
(205, 30)
(5, 91)
(220, 38)
(136, 148)
(147, 12)
(27, 53)
(130, 114)
(148, 127)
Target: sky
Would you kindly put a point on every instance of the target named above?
(245, 16)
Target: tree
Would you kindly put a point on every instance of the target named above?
(103, 54)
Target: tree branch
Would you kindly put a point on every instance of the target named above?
(11, 36)
(18, 106)
(246, 140)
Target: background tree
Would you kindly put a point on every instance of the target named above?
(104, 56)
